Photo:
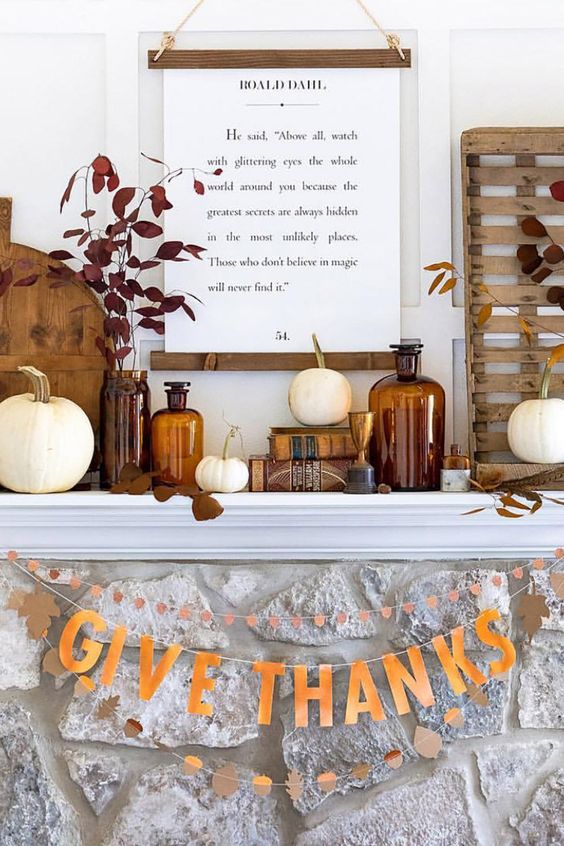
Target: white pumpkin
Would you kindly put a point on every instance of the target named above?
(536, 427)
(319, 396)
(46, 443)
(222, 474)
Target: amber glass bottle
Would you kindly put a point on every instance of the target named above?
(407, 443)
(456, 460)
(177, 438)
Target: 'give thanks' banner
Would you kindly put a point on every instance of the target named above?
(408, 673)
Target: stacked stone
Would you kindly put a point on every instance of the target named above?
(70, 779)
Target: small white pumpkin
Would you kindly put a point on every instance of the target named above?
(46, 443)
(222, 474)
(536, 427)
(319, 396)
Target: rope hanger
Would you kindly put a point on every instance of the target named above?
(168, 40)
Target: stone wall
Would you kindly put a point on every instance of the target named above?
(68, 779)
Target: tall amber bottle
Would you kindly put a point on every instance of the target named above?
(177, 438)
(407, 443)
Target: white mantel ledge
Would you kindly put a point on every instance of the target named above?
(99, 525)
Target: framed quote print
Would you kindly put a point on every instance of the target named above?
(301, 221)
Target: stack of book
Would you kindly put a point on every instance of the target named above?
(303, 459)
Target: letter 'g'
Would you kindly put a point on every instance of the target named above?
(90, 647)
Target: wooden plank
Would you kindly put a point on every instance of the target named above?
(510, 295)
(468, 161)
(515, 205)
(510, 355)
(494, 412)
(509, 141)
(495, 265)
(489, 474)
(499, 324)
(385, 58)
(511, 383)
(270, 361)
(49, 362)
(527, 310)
(492, 175)
(492, 442)
(510, 235)
(500, 266)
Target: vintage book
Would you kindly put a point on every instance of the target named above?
(286, 443)
(266, 474)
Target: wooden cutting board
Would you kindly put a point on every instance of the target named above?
(51, 328)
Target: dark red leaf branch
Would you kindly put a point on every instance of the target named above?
(105, 261)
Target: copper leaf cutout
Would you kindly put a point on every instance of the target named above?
(39, 608)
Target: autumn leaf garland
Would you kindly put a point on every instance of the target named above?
(135, 482)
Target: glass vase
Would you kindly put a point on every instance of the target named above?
(125, 423)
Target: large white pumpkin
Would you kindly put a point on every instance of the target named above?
(319, 396)
(46, 443)
(536, 427)
(222, 474)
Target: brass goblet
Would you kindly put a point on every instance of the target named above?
(360, 477)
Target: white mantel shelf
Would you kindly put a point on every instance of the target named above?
(98, 525)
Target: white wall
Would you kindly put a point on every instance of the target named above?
(73, 81)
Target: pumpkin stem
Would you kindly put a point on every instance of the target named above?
(318, 352)
(555, 356)
(231, 434)
(40, 382)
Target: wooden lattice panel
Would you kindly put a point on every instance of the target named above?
(505, 177)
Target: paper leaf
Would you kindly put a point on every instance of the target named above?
(39, 608)
(327, 782)
(557, 584)
(361, 771)
(262, 785)
(294, 785)
(51, 663)
(484, 314)
(394, 759)
(132, 728)
(454, 717)
(205, 507)
(427, 742)
(436, 281)
(192, 764)
(440, 265)
(532, 608)
(107, 708)
(83, 686)
(225, 780)
(477, 696)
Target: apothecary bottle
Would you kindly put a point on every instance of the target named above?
(407, 444)
(177, 438)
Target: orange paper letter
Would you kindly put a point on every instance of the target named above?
(268, 671)
(451, 663)
(496, 640)
(398, 676)
(150, 681)
(360, 680)
(113, 656)
(201, 682)
(91, 647)
(303, 693)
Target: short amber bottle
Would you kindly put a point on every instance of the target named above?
(177, 438)
(456, 460)
(407, 444)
